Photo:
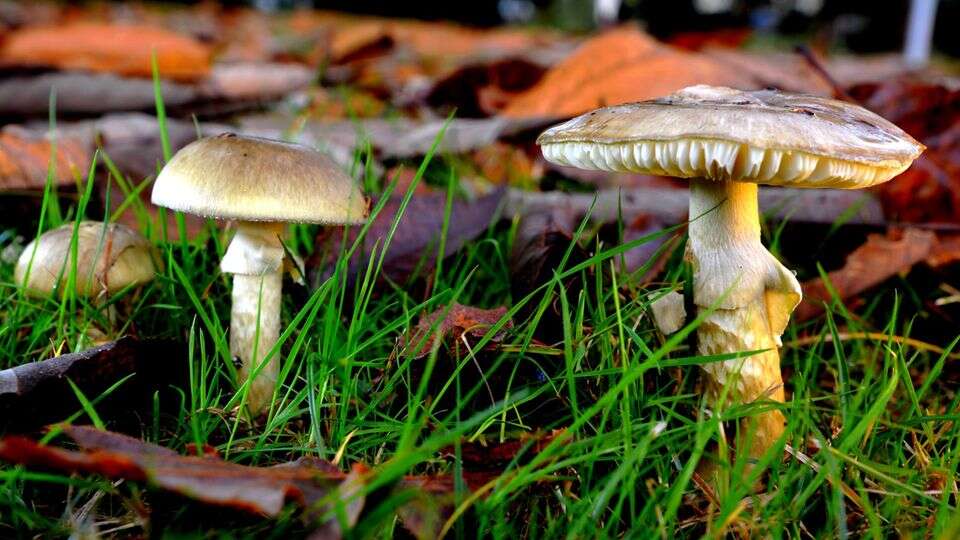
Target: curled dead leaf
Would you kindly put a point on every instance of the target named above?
(455, 323)
(876, 261)
(310, 483)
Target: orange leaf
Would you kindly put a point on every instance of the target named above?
(24, 160)
(876, 261)
(121, 49)
(619, 66)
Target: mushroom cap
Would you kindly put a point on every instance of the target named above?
(254, 179)
(109, 257)
(764, 137)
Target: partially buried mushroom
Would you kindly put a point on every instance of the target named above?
(726, 142)
(261, 184)
(109, 257)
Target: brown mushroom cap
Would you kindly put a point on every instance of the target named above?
(253, 179)
(764, 137)
(109, 258)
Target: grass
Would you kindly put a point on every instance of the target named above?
(872, 445)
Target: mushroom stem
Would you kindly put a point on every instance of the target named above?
(255, 257)
(750, 296)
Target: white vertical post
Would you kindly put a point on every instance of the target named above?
(919, 35)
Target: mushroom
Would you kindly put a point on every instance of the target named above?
(110, 257)
(727, 142)
(261, 184)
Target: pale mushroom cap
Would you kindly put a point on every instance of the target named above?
(109, 258)
(765, 137)
(253, 179)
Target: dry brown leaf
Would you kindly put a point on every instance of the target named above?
(876, 261)
(25, 157)
(351, 33)
(945, 251)
(114, 48)
(485, 453)
(260, 490)
(339, 105)
(619, 66)
(458, 322)
(785, 71)
(246, 36)
(503, 163)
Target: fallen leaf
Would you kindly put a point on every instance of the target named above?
(253, 489)
(327, 104)
(484, 89)
(454, 323)
(929, 191)
(25, 159)
(261, 490)
(429, 39)
(783, 70)
(619, 66)
(876, 261)
(37, 393)
(120, 49)
(496, 454)
(945, 251)
(502, 163)
(246, 36)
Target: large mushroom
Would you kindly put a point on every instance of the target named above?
(261, 184)
(727, 142)
(109, 257)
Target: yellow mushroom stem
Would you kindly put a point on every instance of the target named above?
(255, 257)
(748, 296)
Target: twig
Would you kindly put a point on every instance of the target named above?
(816, 64)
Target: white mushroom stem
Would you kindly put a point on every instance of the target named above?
(255, 257)
(751, 296)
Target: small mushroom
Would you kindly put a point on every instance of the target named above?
(726, 142)
(110, 257)
(261, 184)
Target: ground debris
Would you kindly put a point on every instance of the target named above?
(25, 158)
(455, 323)
(129, 51)
(879, 259)
(486, 453)
(309, 483)
(37, 393)
(624, 65)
